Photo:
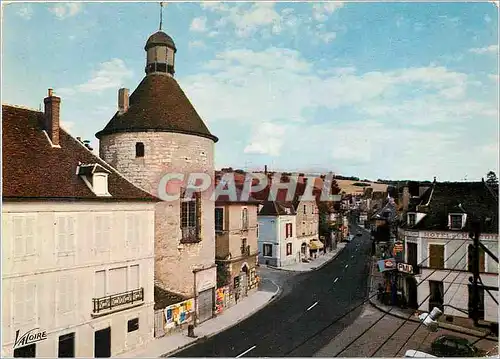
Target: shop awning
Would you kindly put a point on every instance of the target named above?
(315, 245)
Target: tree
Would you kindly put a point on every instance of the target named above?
(223, 275)
(491, 178)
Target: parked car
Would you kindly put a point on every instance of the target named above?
(417, 354)
(451, 346)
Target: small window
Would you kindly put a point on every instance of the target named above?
(219, 219)
(139, 149)
(133, 325)
(289, 249)
(305, 208)
(412, 219)
(267, 249)
(456, 221)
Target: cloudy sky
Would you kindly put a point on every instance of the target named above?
(375, 90)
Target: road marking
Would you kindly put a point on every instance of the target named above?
(246, 351)
(312, 306)
(336, 279)
(347, 265)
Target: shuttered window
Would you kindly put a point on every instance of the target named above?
(24, 235)
(470, 259)
(134, 277)
(117, 280)
(66, 294)
(102, 231)
(436, 256)
(219, 219)
(24, 301)
(65, 233)
(100, 284)
(133, 228)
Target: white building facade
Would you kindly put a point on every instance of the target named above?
(278, 243)
(77, 245)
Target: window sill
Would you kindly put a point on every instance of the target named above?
(190, 240)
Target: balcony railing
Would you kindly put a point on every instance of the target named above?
(190, 235)
(110, 302)
(245, 250)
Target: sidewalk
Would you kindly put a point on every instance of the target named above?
(411, 314)
(168, 345)
(315, 264)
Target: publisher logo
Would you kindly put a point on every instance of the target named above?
(31, 336)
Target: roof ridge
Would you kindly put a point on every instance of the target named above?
(22, 107)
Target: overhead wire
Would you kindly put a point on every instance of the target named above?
(386, 313)
(356, 307)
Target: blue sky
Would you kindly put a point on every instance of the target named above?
(376, 90)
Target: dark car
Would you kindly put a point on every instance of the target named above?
(450, 346)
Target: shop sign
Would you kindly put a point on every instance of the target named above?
(405, 268)
(30, 337)
(386, 264)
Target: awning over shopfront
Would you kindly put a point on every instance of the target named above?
(314, 245)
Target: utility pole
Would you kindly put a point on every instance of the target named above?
(476, 233)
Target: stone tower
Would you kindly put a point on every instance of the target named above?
(154, 132)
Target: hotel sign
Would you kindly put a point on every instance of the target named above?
(405, 268)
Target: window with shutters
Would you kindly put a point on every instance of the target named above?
(100, 284)
(24, 303)
(244, 218)
(190, 217)
(436, 256)
(24, 236)
(456, 221)
(65, 234)
(134, 281)
(66, 294)
(133, 227)
(289, 249)
(102, 232)
(267, 250)
(117, 280)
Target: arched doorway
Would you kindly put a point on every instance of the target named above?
(244, 280)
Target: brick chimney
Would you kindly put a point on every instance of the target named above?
(123, 100)
(52, 110)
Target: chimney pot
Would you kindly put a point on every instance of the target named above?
(52, 111)
(123, 100)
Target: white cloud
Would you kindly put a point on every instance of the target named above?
(199, 24)
(197, 44)
(268, 138)
(321, 11)
(392, 114)
(65, 10)
(109, 75)
(26, 12)
(328, 36)
(493, 49)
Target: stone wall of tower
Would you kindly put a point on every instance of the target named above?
(163, 153)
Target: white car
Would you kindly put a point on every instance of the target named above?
(416, 354)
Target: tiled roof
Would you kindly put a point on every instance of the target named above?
(158, 104)
(159, 38)
(276, 208)
(224, 198)
(33, 169)
(444, 198)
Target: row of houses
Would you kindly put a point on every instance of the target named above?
(424, 230)
(94, 263)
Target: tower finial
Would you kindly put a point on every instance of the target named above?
(161, 14)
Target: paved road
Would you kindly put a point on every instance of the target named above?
(296, 324)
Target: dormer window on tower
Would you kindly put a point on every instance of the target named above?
(160, 50)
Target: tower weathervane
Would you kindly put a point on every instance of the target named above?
(161, 14)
